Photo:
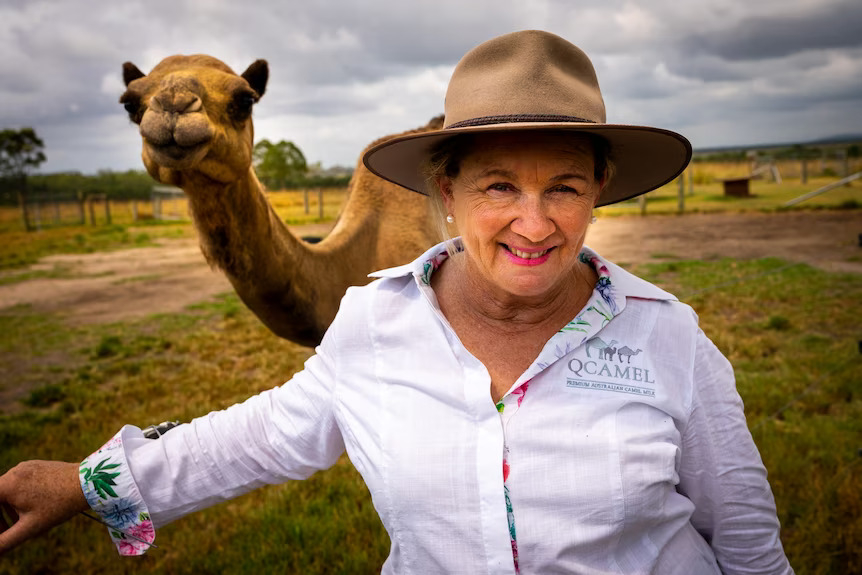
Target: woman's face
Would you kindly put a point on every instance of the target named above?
(522, 203)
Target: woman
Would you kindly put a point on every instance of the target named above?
(513, 401)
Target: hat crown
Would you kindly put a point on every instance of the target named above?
(527, 74)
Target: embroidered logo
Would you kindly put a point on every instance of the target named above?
(613, 363)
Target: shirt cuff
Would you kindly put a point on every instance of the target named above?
(111, 491)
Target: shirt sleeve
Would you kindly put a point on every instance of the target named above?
(722, 473)
(288, 432)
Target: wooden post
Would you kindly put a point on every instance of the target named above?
(22, 201)
(642, 203)
(690, 181)
(681, 194)
(92, 212)
(305, 199)
(38, 217)
(320, 203)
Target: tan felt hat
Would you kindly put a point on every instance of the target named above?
(535, 80)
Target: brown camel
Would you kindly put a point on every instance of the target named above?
(195, 121)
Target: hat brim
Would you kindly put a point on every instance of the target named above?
(645, 158)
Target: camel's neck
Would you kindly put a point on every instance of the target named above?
(293, 287)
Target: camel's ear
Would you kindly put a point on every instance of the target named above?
(131, 73)
(257, 75)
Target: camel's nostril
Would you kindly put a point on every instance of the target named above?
(194, 106)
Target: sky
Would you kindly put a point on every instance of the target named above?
(344, 73)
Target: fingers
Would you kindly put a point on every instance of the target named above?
(15, 535)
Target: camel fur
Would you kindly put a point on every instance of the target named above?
(195, 122)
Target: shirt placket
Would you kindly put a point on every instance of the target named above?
(602, 306)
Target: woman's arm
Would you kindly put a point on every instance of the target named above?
(722, 473)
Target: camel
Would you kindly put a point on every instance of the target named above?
(599, 344)
(195, 122)
(627, 352)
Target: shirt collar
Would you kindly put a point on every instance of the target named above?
(625, 283)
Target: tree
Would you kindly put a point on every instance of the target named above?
(275, 164)
(20, 152)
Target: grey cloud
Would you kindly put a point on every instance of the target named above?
(830, 25)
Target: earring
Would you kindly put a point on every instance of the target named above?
(450, 218)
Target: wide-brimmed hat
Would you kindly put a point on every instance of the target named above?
(535, 80)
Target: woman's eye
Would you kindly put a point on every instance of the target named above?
(500, 187)
(564, 189)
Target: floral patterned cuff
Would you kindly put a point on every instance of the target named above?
(111, 491)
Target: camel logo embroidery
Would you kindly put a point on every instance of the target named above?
(614, 364)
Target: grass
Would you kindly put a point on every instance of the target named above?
(790, 331)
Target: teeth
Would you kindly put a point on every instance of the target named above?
(527, 255)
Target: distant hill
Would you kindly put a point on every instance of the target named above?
(837, 140)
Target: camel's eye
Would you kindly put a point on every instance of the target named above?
(132, 104)
(240, 107)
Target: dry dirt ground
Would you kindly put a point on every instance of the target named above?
(114, 286)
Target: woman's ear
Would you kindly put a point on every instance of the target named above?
(444, 187)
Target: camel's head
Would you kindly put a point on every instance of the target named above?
(194, 114)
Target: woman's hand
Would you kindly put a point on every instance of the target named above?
(36, 496)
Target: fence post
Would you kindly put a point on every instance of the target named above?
(690, 181)
(320, 203)
(681, 194)
(305, 199)
(108, 209)
(38, 217)
(22, 201)
(90, 209)
(642, 203)
(56, 209)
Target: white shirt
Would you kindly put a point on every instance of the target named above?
(625, 442)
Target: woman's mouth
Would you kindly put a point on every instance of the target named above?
(524, 257)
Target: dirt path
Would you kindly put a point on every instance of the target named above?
(114, 286)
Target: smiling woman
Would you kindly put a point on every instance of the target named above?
(513, 401)
(521, 203)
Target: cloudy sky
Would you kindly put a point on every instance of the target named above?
(342, 72)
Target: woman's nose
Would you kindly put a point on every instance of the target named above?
(533, 221)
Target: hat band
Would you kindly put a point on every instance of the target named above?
(515, 118)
